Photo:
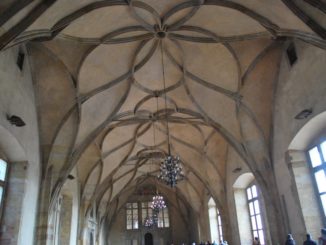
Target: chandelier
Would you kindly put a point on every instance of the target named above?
(170, 169)
(149, 222)
(157, 203)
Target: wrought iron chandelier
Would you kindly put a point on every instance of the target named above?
(170, 169)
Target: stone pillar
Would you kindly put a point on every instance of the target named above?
(65, 220)
(10, 226)
(204, 223)
(44, 231)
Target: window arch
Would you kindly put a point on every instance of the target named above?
(215, 221)
(306, 160)
(250, 210)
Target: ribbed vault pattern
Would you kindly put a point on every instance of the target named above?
(99, 98)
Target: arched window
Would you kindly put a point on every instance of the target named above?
(255, 213)
(317, 157)
(215, 221)
(3, 181)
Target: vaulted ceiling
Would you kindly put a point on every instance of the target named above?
(98, 68)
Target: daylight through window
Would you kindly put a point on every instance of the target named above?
(215, 222)
(132, 216)
(3, 177)
(255, 213)
(317, 157)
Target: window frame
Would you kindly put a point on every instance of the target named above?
(144, 208)
(163, 218)
(252, 200)
(132, 215)
(218, 220)
(313, 170)
(162, 211)
(4, 185)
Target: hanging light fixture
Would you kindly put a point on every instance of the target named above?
(158, 203)
(170, 169)
(149, 222)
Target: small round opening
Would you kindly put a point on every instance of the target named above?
(161, 34)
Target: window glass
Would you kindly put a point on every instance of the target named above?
(253, 223)
(249, 193)
(251, 208)
(318, 161)
(259, 224)
(254, 191)
(3, 170)
(314, 157)
(257, 210)
(321, 180)
(1, 192)
(132, 216)
(163, 215)
(261, 235)
(254, 211)
(215, 221)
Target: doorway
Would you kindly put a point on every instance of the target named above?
(148, 239)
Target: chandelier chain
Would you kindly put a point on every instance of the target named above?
(164, 90)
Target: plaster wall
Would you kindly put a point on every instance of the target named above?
(17, 98)
(299, 87)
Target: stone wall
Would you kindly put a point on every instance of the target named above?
(11, 217)
(17, 98)
(65, 220)
(301, 86)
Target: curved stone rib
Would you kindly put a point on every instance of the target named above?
(269, 25)
(133, 141)
(123, 77)
(75, 155)
(275, 30)
(320, 30)
(121, 163)
(195, 4)
(148, 97)
(221, 90)
(142, 21)
(83, 185)
(256, 60)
